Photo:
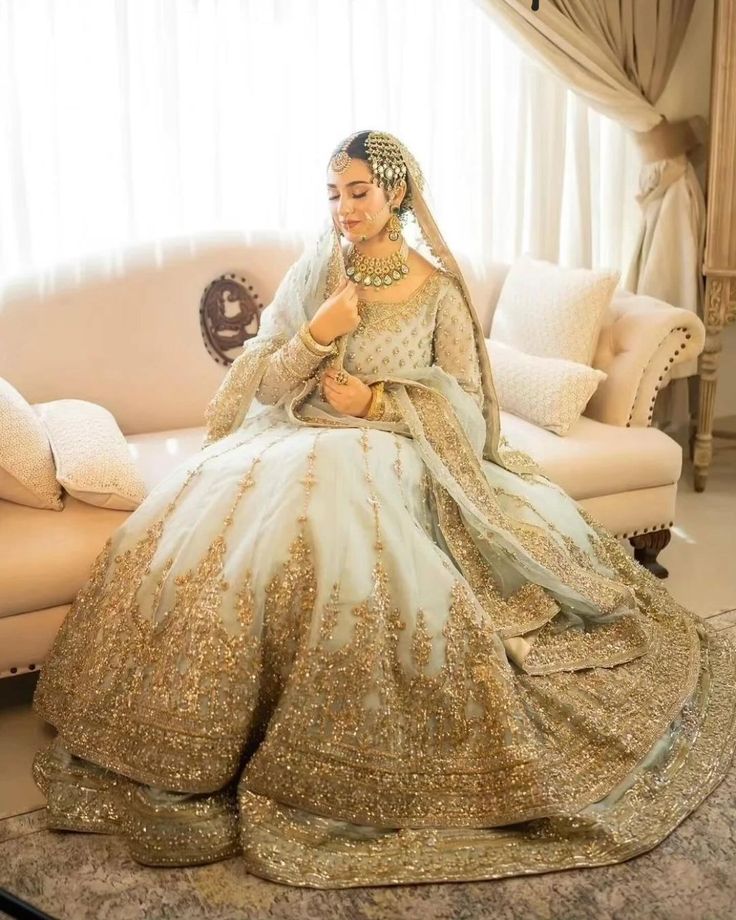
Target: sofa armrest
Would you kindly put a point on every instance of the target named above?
(641, 339)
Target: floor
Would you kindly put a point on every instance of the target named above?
(702, 577)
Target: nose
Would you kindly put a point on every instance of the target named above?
(344, 208)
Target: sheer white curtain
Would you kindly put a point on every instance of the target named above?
(124, 121)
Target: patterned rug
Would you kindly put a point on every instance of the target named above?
(77, 876)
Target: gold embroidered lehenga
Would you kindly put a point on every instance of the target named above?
(357, 652)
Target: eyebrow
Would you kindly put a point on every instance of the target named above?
(354, 182)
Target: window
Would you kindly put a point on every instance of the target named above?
(123, 122)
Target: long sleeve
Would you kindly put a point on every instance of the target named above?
(292, 364)
(454, 343)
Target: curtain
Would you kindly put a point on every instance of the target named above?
(123, 121)
(618, 55)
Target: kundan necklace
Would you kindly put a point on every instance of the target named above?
(376, 271)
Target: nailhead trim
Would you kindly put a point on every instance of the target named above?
(635, 533)
(23, 668)
(661, 377)
(688, 335)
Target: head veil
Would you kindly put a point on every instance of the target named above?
(313, 278)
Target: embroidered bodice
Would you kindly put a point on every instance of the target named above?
(432, 326)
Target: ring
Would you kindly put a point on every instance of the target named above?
(341, 376)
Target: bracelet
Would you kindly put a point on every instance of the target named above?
(376, 405)
(317, 348)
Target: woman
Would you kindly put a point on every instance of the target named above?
(359, 640)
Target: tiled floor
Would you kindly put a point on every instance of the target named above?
(700, 559)
(22, 733)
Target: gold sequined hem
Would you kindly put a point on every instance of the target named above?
(161, 828)
(291, 846)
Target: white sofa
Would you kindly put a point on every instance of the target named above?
(125, 333)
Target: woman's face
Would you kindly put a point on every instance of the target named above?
(354, 199)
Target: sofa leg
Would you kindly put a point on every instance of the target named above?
(647, 546)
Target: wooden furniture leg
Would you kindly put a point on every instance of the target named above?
(647, 546)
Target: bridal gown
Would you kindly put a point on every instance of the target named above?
(309, 649)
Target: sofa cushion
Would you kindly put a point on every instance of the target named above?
(46, 556)
(553, 312)
(156, 453)
(598, 459)
(550, 392)
(91, 456)
(26, 462)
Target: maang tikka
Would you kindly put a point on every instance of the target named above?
(340, 160)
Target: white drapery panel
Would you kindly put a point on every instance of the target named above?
(124, 121)
(618, 55)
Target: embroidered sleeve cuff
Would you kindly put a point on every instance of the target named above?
(317, 348)
(292, 364)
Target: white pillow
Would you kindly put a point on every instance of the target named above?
(552, 312)
(26, 463)
(551, 392)
(92, 458)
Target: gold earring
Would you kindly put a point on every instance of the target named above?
(394, 225)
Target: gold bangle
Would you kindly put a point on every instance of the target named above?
(376, 405)
(317, 348)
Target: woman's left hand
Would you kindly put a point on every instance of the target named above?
(350, 398)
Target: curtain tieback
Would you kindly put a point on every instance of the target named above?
(670, 139)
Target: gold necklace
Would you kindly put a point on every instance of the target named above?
(376, 271)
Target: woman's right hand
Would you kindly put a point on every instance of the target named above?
(338, 315)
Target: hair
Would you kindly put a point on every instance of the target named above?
(356, 150)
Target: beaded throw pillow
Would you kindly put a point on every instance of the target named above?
(26, 462)
(552, 312)
(550, 392)
(93, 462)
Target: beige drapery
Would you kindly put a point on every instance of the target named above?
(618, 55)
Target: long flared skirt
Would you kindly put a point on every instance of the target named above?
(281, 655)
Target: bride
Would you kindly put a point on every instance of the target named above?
(358, 639)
